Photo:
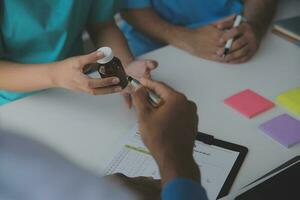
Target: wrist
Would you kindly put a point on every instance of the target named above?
(53, 76)
(178, 166)
(257, 28)
(176, 35)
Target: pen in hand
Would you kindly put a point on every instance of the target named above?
(153, 97)
(228, 44)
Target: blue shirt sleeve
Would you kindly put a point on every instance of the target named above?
(136, 3)
(182, 189)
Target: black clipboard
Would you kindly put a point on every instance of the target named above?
(211, 140)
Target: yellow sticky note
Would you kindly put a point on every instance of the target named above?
(290, 100)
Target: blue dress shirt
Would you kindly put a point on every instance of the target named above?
(183, 189)
(187, 13)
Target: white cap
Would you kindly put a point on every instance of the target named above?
(108, 55)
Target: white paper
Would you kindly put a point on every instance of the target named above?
(133, 159)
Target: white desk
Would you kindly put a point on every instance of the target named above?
(85, 128)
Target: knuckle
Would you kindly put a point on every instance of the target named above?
(245, 51)
(238, 54)
(239, 43)
(89, 84)
(193, 105)
(181, 98)
(79, 61)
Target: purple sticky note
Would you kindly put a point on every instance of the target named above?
(284, 129)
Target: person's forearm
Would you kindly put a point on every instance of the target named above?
(108, 34)
(260, 13)
(173, 166)
(148, 22)
(25, 77)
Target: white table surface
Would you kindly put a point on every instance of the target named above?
(85, 128)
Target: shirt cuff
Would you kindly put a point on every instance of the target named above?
(182, 189)
(127, 4)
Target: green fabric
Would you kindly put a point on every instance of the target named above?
(42, 31)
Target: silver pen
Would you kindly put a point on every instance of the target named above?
(153, 97)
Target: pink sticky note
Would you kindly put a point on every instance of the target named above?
(249, 103)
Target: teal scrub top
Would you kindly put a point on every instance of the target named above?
(187, 13)
(43, 31)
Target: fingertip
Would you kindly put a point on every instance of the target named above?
(99, 54)
(152, 64)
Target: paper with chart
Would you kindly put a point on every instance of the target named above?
(133, 159)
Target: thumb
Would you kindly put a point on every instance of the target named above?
(142, 104)
(90, 58)
(159, 88)
(151, 64)
(225, 23)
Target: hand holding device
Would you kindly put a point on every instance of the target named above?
(69, 74)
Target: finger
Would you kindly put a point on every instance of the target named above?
(151, 64)
(90, 58)
(151, 183)
(120, 175)
(237, 54)
(148, 182)
(225, 23)
(90, 68)
(220, 52)
(141, 101)
(94, 83)
(127, 99)
(105, 90)
(241, 60)
(238, 44)
(232, 33)
(159, 88)
(192, 106)
(218, 58)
